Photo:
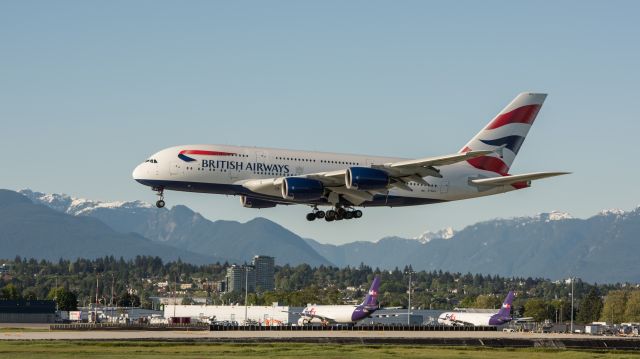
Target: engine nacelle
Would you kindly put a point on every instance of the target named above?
(302, 189)
(365, 178)
(250, 202)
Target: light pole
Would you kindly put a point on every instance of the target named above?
(56, 295)
(246, 291)
(409, 306)
(96, 308)
(572, 279)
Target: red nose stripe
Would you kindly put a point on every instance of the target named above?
(208, 153)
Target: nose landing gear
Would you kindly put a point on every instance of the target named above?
(160, 192)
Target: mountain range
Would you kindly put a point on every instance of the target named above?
(602, 248)
(182, 228)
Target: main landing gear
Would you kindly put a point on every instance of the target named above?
(336, 214)
(160, 192)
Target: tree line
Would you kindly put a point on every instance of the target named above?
(135, 281)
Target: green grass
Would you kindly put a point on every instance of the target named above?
(14, 330)
(127, 349)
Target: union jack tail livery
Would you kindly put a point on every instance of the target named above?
(505, 134)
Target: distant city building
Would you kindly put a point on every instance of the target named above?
(222, 286)
(241, 277)
(265, 272)
(27, 311)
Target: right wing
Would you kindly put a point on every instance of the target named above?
(513, 179)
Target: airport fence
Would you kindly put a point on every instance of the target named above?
(130, 326)
(359, 328)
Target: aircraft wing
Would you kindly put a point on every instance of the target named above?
(437, 161)
(414, 170)
(513, 179)
(461, 322)
(312, 316)
(400, 173)
(524, 319)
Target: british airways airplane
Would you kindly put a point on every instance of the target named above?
(267, 177)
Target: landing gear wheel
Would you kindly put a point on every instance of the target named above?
(339, 216)
(330, 215)
(357, 213)
(348, 215)
(160, 192)
(320, 214)
(311, 217)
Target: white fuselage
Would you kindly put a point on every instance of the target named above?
(462, 318)
(226, 173)
(339, 314)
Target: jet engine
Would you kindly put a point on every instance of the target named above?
(302, 189)
(250, 202)
(365, 178)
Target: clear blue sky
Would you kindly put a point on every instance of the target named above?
(89, 89)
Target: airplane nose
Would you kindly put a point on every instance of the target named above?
(137, 172)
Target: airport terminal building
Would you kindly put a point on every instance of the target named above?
(274, 314)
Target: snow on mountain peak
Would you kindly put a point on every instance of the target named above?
(426, 237)
(555, 216)
(613, 212)
(77, 206)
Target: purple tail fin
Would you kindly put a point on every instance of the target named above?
(371, 300)
(505, 311)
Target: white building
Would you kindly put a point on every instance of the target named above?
(260, 314)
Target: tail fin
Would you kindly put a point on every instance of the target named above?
(371, 300)
(505, 133)
(505, 311)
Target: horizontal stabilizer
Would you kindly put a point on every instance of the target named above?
(513, 179)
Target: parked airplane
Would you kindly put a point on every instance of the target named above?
(342, 314)
(265, 177)
(503, 316)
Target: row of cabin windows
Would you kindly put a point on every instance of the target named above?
(341, 162)
(295, 159)
(321, 161)
(151, 160)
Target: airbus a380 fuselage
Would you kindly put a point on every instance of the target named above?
(266, 177)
